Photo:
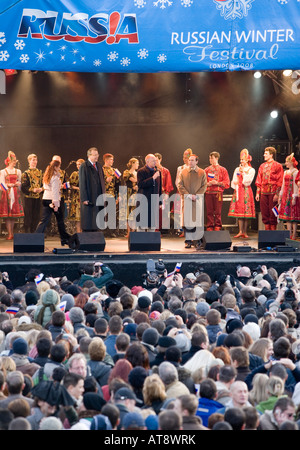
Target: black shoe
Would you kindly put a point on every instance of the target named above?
(188, 244)
(65, 241)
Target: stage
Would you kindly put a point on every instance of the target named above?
(129, 266)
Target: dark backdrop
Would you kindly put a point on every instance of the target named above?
(134, 114)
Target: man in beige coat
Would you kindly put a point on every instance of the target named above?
(192, 186)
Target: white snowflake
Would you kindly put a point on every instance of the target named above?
(186, 3)
(62, 57)
(62, 48)
(162, 58)
(139, 3)
(283, 2)
(113, 56)
(163, 3)
(24, 58)
(4, 55)
(82, 58)
(40, 56)
(19, 44)
(125, 61)
(97, 62)
(2, 38)
(143, 53)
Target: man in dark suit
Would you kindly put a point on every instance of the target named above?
(149, 183)
(91, 185)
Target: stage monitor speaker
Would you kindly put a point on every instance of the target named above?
(29, 243)
(88, 241)
(139, 241)
(272, 238)
(216, 240)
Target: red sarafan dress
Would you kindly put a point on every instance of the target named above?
(10, 202)
(287, 211)
(242, 203)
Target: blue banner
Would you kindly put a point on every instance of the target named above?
(149, 35)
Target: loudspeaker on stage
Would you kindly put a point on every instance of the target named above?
(216, 240)
(144, 241)
(29, 243)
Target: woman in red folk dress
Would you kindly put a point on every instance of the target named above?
(10, 204)
(289, 205)
(242, 203)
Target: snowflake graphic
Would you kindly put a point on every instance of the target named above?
(82, 58)
(62, 57)
(163, 3)
(113, 56)
(2, 38)
(24, 58)
(186, 3)
(125, 61)
(140, 3)
(162, 58)
(40, 56)
(62, 48)
(19, 44)
(4, 55)
(97, 62)
(143, 53)
(283, 2)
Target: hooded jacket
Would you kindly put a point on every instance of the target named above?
(100, 371)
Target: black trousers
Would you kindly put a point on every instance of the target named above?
(47, 211)
(32, 213)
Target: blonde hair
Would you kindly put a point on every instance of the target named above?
(203, 359)
(259, 391)
(31, 156)
(275, 386)
(153, 389)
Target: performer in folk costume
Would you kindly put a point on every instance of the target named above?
(268, 183)
(242, 203)
(10, 204)
(130, 180)
(288, 203)
(74, 210)
(32, 186)
(217, 181)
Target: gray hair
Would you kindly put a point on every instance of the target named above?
(76, 315)
(167, 372)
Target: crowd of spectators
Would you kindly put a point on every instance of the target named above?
(190, 352)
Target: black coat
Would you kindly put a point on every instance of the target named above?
(147, 186)
(91, 185)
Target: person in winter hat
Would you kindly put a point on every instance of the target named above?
(50, 300)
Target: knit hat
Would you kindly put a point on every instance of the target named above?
(154, 315)
(70, 301)
(76, 315)
(250, 318)
(130, 329)
(50, 297)
(136, 289)
(212, 295)
(93, 401)
(253, 330)
(151, 422)
(137, 376)
(146, 293)
(51, 423)
(234, 324)
(113, 287)
(150, 336)
(157, 306)
(133, 420)
(31, 298)
(166, 341)
(144, 301)
(202, 308)
(183, 342)
(101, 422)
(198, 291)
(20, 346)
